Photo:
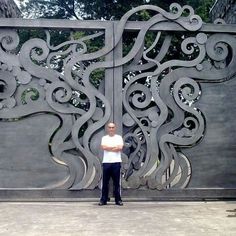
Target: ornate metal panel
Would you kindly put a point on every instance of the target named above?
(173, 102)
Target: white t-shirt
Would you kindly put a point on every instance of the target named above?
(111, 141)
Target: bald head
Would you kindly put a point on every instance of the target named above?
(111, 128)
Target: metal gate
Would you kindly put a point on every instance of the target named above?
(172, 100)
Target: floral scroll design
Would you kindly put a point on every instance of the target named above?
(31, 86)
(160, 99)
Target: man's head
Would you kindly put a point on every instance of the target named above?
(111, 129)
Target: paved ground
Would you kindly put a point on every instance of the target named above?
(134, 218)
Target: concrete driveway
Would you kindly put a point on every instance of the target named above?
(134, 218)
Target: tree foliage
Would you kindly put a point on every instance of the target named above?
(50, 9)
(93, 9)
(202, 7)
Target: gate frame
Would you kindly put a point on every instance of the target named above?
(109, 27)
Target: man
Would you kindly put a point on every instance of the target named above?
(112, 145)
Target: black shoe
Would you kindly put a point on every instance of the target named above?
(119, 203)
(231, 210)
(101, 203)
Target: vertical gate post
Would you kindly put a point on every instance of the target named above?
(118, 80)
(109, 72)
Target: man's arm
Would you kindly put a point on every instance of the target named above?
(117, 148)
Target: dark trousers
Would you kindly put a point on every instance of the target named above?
(111, 170)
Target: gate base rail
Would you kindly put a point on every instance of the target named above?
(196, 194)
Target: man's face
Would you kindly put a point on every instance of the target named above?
(111, 129)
